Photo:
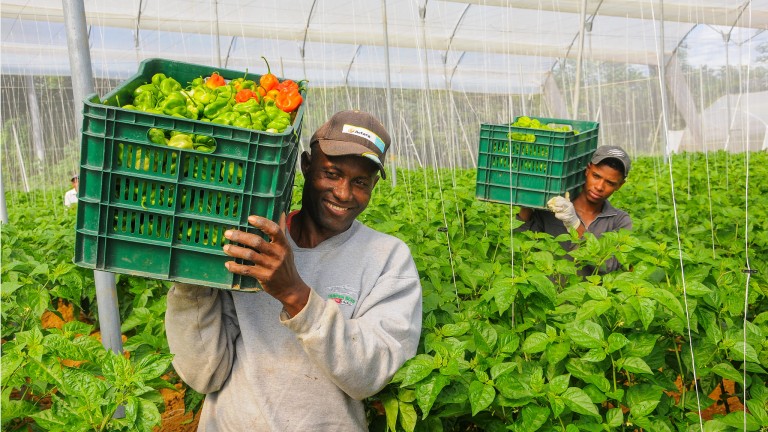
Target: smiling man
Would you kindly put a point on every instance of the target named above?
(590, 210)
(340, 312)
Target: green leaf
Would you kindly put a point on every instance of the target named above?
(557, 352)
(427, 392)
(535, 342)
(391, 409)
(696, 289)
(148, 416)
(534, 417)
(594, 355)
(579, 402)
(726, 370)
(739, 349)
(587, 334)
(504, 293)
(616, 341)
(642, 399)
(597, 292)
(408, 416)
(485, 337)
(635, 365)
(640, 344)
(457, 329)
(736, 420)
(480, 396)
(508, 342)
(614, 417)
(757, 409)
(418, 368)
(593, 308)
(645, 309)
(642, 409)
(544, 286)
(153, 366)
(8, 287)
(556, 404)
(559, 384)
(665, 298)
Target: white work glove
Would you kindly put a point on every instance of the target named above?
(564, 210)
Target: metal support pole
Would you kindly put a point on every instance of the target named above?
(3, 208)
(582, 30)
(82, 85)
(390, 123)
(34, 118)
(218, 42)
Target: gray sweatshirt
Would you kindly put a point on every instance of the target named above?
(263, 371)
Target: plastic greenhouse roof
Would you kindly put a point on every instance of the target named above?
(499, 46)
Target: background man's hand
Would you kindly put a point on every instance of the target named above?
(273, 265)
(564, 211)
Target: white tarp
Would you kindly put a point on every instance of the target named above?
(496, 46)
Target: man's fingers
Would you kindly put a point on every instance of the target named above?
(271, 229)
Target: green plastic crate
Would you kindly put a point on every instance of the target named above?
(513, 171)
(161, 212)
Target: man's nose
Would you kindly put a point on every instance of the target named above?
(342, 190)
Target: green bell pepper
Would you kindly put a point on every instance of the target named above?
(204, 143)
(216, 108)
(203, 95)
(226, 118)
(243, 121)
(249, 106)
(182, 141)
(145, 100)
(157, 136)
(174, 104)
(157, 79)
(169, 86)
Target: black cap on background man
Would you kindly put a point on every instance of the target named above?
(354, 132)
(612, 152)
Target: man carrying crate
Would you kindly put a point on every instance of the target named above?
(340, 312)
(590, 210)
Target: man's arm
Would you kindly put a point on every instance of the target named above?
(360, 355)
(201, 326)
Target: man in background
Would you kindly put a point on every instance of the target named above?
(590, 210)
(70, 197)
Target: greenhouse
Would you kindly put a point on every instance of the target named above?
(493, 109)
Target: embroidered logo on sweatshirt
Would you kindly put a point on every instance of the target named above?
(342, 294)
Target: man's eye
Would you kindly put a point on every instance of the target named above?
(331, 174)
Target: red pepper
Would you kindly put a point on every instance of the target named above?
(287, 85)
(288, 100)
(268, 81)
(215, 80)
(245, 94)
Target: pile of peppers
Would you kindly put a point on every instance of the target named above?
(268, 105)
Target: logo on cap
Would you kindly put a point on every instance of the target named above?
(366, 134)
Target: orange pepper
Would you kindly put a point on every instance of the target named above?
(245, 94)
(271, 95)
(268, 80)
(288, 100)
(215, 80)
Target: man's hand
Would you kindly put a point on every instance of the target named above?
(273, 265)
(564, 210)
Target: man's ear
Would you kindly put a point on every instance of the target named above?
(306, 161)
